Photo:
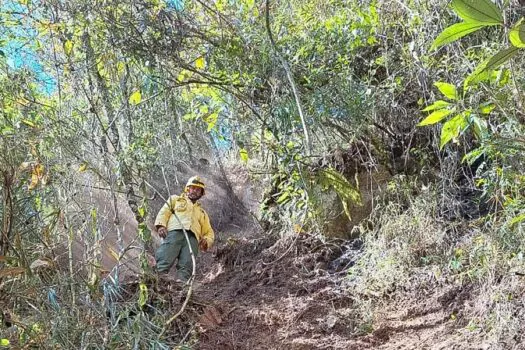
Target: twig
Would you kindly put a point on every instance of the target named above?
(284, 254)
(187, 334)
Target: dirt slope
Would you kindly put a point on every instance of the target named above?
(254, 291)
(259, 293)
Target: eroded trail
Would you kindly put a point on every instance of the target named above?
(260, 293)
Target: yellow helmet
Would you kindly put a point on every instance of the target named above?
(195, 181)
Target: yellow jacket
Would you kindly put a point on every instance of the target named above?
(190, 215)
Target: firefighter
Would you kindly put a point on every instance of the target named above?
(180, 213)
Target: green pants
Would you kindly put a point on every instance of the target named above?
(175, 247)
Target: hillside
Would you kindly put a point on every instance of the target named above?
(361, 165)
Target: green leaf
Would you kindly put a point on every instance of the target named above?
(517, 220)
(204, 109)
(4, 342)
(68, 47)
(7, 130)
(243, 153)
(144, 232)
(212, 120)
(472, 156)
(481, 11)
(503, 77)
(480, 127)
(440, 104)
(453, 128)
(220, 4)
(200, 63)
(484, 68)
(486, 108)
(447, 89)
(143, 294)
(82, 167)
(135, 98)
(28, 123)
(285, 197)
(455, 32)
(348, 194)
(517, 35)
(435, 117)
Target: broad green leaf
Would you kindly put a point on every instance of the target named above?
(471, 157)
(481, 11)
(135, 98)
(486, 108)
(484, 68)
(68, 47)
(440, 104)
(455, 32)
(517, 35)
(447, 89)
(435, 117)
(453, 128)
(199, 63)
(480, 127)
(243, 153)
(4, 342)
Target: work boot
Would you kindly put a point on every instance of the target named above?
(170, 279)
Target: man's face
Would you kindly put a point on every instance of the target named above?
(194, 192)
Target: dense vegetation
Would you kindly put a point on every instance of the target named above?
(102, 100)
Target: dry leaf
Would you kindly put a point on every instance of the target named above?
(12, 271)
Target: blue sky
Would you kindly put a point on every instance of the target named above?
(17, 40)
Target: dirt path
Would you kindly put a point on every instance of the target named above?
(259, 293)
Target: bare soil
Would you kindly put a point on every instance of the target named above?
(257, 292)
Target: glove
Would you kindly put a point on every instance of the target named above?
(163, 232)
(203, 245)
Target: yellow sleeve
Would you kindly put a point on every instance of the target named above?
(207, 231)
(164, 214)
